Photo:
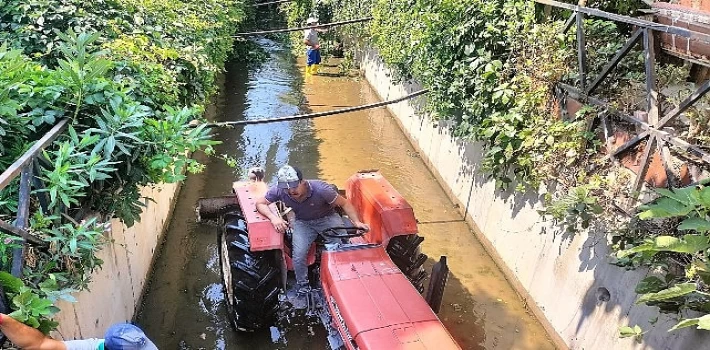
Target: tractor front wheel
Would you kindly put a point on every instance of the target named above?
(406, 253)
(250, 279)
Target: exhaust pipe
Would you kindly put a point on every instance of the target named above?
(216, 207)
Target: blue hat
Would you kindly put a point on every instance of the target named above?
(125, 336)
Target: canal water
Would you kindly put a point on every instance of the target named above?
(184, 306)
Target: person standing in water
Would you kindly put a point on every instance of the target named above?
(310, 38)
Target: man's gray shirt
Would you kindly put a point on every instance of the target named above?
(312, 36)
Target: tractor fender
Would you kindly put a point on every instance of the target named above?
(262, 234)
(380, 205)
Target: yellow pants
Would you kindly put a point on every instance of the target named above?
(312, 69)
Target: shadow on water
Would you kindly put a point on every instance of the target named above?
(184, 307)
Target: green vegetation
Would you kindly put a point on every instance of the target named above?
(628, 332)
(130, 75)
(671, 240)
(491, 68)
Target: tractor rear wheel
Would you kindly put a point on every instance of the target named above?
(251, 279)
(406, 253)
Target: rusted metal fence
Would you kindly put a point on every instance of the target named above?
(28, 167)
(652, 130)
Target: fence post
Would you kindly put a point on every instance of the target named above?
(23, 215)
(651, 89)
(581, 51)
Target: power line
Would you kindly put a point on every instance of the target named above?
(304, 28)
(270, 3)
(318, 114)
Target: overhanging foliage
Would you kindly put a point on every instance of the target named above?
(131, 75)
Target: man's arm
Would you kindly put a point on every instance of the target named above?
(308, 43)
(262, 206)
(349, 209)
(26, 337)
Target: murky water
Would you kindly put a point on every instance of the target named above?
(184, 309)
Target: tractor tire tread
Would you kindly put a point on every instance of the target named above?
(405, 252)
(255, 280)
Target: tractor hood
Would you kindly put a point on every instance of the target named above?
(379, 307)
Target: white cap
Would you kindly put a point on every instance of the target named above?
(289, 177)
(311, 20)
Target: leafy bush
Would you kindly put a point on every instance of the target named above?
(491, 67)
(131, 75)
(677, 250)
(574, 210)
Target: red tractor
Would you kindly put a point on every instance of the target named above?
(366, 290)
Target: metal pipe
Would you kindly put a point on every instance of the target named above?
(270, 3)
(16, 167)
(651, 89)
(23, 215)
(319, 114)
(14, 231)
(615, 61)
(629, 20)
(581, 51)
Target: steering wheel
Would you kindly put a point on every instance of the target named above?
(332, 232)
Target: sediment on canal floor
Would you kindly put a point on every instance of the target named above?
(580, 298)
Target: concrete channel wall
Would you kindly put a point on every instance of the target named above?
(116, 289)
(566, 281)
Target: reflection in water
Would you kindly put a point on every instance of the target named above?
(183, 307)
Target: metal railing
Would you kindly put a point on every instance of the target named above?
(657, 119)
(28, 167)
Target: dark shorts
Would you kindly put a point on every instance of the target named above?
(312, 57)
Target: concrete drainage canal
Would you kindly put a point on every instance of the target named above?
(184, 307)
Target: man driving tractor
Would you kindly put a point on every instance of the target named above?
(313, 203)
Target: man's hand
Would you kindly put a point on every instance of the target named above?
(352, 213)
(362, 225)
(279, 224)
(262, 206)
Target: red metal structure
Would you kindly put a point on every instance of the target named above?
(367, 291)
(378, 307)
